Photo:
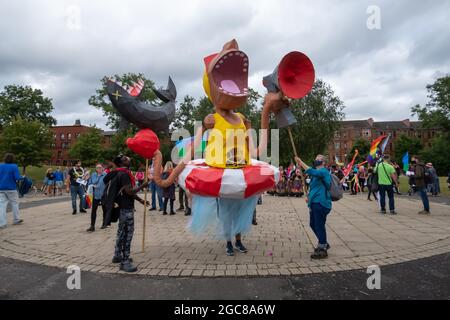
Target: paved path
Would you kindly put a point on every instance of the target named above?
(279, 245)
(419, 279)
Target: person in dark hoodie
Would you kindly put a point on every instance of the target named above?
(125, 197)
(419, 178)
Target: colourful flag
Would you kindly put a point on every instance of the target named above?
(185, 144)
(405, 161)
(377, 149)
(349, 167)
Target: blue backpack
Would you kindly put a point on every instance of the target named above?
(25, 186)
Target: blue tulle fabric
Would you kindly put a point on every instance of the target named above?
(223, 218)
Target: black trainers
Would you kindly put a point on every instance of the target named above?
(254, 223)
(74, 212)
(230, 250)
(119, 259)
(83, 211)
(91, 229)
(172, 213)
(103, 227)
(126, 266)
(393, 212)
(18, 222)
(164, 213)
(188, 212)
(319, 254)
(383, 211)
(240, 247)
(152, 209)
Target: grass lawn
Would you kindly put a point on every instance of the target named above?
(404, 186)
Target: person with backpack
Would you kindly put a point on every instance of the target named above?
(121, 189)
(319, 202)
(421, 179)
(370, 178)
(387, 178)
(9, 176)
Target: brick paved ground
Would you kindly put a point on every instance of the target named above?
(279, 245)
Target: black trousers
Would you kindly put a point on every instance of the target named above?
(183, 198)
(166, 200)
(95, 205)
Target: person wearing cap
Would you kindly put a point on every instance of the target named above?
(419, 172)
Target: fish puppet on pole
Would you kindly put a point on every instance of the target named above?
(150, 118)
(294, 77)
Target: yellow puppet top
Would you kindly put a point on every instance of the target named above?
(227, 144)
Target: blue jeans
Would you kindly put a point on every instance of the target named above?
(390, 192)
(74, 191)
(424, 196)
(12, 197)
(156, 191)
(317, 219)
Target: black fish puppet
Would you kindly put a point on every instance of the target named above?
(144, 115)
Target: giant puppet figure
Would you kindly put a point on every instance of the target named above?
(227, 183)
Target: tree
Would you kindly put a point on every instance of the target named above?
(88, 147)
(436, 113)
(405, 144)
(101, 100)
(25, 102)
(363, 147)
(318, 115)
(438, 154)
(29, 140)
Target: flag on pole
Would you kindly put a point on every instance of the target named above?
(377, 149)
(405, 161)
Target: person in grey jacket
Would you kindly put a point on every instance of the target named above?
(96, 181)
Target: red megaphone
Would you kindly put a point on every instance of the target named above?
(294, 76)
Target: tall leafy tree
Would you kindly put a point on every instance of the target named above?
(318, 115)
(26, 103)
(30, 141)
(436, 114)
(363, 147)
(88, 147)
(405, 144)
(100, 99)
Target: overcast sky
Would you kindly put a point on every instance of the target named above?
(66, 47)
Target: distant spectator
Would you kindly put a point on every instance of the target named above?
(387, 178)
(432, 180)
(9, 176)
(140, 176)
(76, 176)
(96, 180)
(59, 180)
(50, 182)
(419, 170)
(168, 192)
(370, 178)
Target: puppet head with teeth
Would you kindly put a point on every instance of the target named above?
(226, 77)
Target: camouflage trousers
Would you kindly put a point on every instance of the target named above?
(124, 233)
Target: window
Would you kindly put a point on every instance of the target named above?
(62, 137)
(366, 133)
(77, 135)
(59, 154)
(69, 136)
(53, 145)
(337, 145)
(337, 135)
(54, 135)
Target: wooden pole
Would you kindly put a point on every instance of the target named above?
(300, 167)
(145, 206)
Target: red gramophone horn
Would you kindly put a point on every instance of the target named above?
(294, 76)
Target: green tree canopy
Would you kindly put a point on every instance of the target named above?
(363, 147)
(25, 102)
(30, 141)
(100, 99)
(318, 116)
(405, 144)
(88, 147)
(436, 113)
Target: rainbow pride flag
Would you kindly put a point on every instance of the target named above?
(185, 144)
(377, 149)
